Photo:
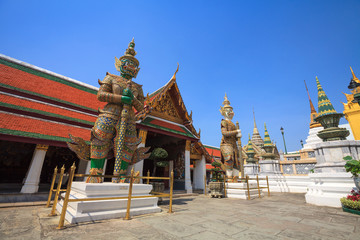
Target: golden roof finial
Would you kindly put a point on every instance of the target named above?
(353, 75)
(312, 108)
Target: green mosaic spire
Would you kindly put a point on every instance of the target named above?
(324, 105)
(267, 141)
(250, 148)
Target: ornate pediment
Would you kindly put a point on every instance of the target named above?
(165, 108)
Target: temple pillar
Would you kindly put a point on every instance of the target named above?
(188, 186)
(139, 166)
(199, 173)
(32, 178)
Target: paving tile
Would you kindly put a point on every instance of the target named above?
(281, 216)
(208, 235)
(253, 235)
(327, 225)
(292, 234)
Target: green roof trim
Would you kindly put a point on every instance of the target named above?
(47, 97)
(156, 92)
(45, 113)
(45, 75)
(211, 147)
(147, 122)
(33, 135)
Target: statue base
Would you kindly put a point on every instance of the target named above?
(239, 190)
(251, 169)
(269, 167)
(330, 182)
(86, 211)
(333, 134)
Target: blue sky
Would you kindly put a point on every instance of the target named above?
(258, 52)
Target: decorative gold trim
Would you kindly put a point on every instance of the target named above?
(166, 117)
(188, 145)
(195, 156)
(42, 147)
(143, 135)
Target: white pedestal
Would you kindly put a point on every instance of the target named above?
(269, 167)
(280, 183)
(330, 182)
(251, 169)
(239, 190)
(326, 189)
(312, 138)
(86, 211)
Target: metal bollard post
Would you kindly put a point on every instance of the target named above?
(51, 187)
(258, 185)
(127, 216)
(205, 190)
(148, 175)
(267, 181)
(67, 195)
(248, 188)
(53, 213)
(171, 191)
(225, 195)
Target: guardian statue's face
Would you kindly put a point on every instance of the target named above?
(228, 113)
(129, 68)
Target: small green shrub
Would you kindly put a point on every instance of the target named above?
(352, 166)
(350, 203)
(217, 175)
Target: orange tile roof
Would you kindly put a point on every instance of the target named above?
(40, 85)
(10, 101)
(29, 127)
(213, 150)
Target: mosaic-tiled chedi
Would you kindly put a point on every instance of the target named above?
(269, 147)
(230, 154)
(114, 132)
(329, 118)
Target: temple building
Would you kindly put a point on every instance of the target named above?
(352, 109)
(39, 109)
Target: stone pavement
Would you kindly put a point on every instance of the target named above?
(281, 216)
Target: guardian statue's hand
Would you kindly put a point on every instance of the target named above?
(127, 96)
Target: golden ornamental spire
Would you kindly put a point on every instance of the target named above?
(255, 127)
(353, 75)
(312, 108)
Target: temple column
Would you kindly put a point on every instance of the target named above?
(188, 186)
(199, 173)
(139, 166)
(32, 178)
